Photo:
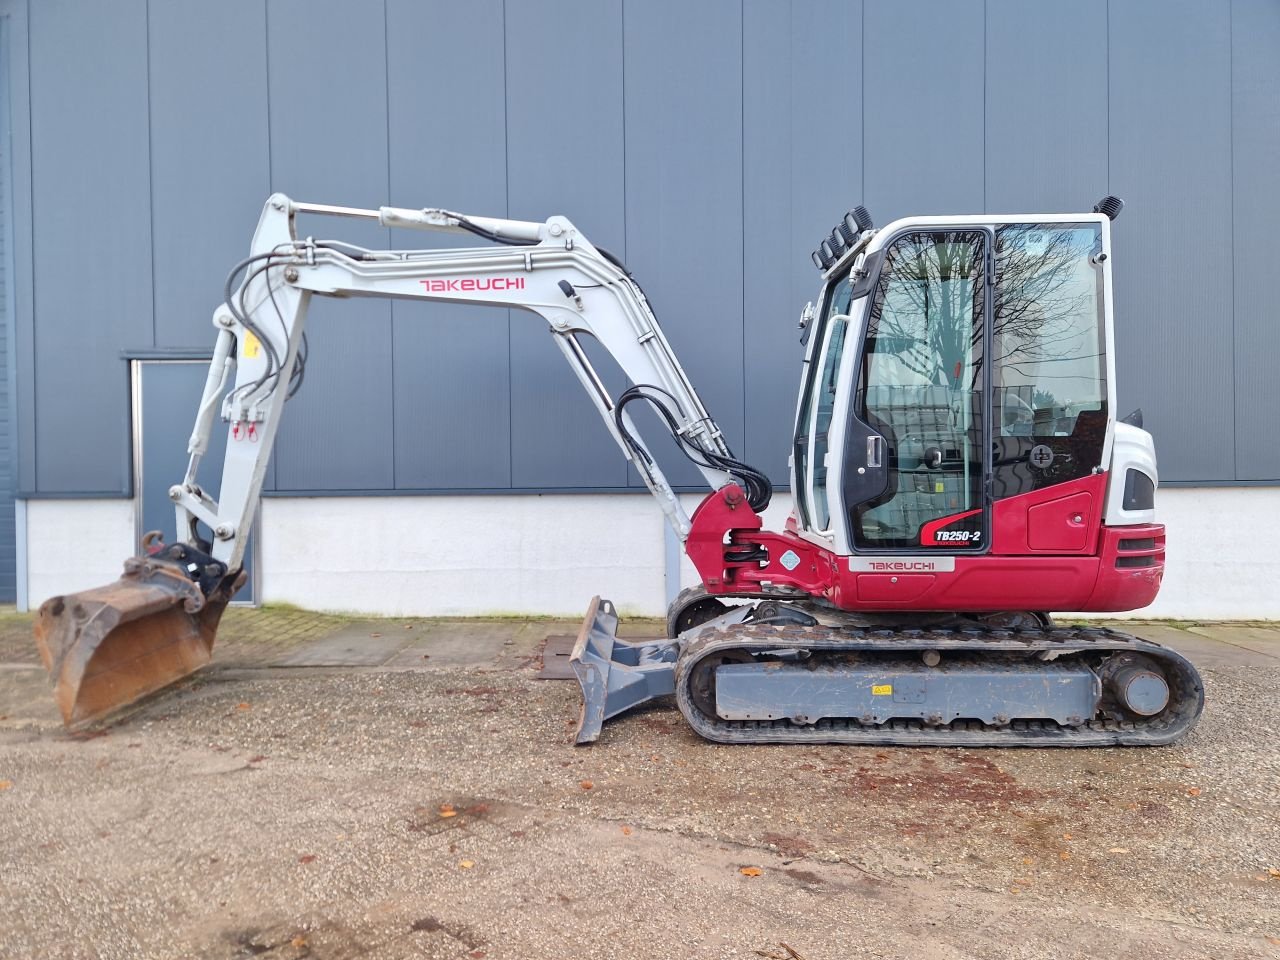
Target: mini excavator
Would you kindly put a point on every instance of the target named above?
(957, 467)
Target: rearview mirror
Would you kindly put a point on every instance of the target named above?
(806, 321)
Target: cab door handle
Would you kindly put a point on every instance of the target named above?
(875, 450)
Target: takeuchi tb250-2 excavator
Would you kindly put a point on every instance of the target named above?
(957, 468)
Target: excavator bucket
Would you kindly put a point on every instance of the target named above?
(110, 646)
(616, 675)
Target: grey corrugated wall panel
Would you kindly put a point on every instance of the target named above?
(1171, 160)
(564, 156)
(922, 107)
(90, 182)
(802, 169)
(17, 79)
(210, 155)
(1046, 119)
(448, 149)
(695, 160)
(8, 519)
(327, 62)
(1256, 154)
(684, 197)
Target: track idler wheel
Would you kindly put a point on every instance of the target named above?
(702, 683)
(1135, 684)
(682, 617)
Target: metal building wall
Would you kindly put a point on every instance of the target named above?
(710, 144)
(8, 453)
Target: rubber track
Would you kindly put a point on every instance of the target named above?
(1186, 690)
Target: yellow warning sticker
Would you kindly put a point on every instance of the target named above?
(252, 346)
(882, 690)
(939, 487)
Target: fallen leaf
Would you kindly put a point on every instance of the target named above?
(242, 706)
(446, 810)
(626, 831)
(1066, 836)
(1028, 861)
(1273, 873)
(298, 942)
(586, 784)
(1131, 806)
(466, 864)
(1274, 941)
(258, 758)
(750, 871)
(1193, 791)
(307, 858)
(1064, 855)
(1014, 890)
(375, 634)
(5, 784)
(1118, 850)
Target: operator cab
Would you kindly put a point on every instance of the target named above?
(954, 362)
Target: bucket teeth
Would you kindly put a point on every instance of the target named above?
(109, 646)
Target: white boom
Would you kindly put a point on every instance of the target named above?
(549, 268)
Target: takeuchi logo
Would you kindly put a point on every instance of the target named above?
(473, 284)
(900, 565)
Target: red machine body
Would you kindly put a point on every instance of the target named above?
(1050, 551)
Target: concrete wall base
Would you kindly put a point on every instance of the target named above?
(548, 554)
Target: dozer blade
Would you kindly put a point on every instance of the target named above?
(110, 646)
(616, 675)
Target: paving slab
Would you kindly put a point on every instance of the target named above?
(359, 644)
(437, 645)
(1201, 650)
(1264, 641)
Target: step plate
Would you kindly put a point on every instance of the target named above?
(992, 693)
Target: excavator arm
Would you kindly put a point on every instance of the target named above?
(108, 647)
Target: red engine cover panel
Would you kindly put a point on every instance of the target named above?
(1042, 521)
(1060, 526)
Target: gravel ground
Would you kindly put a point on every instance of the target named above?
(439, 812)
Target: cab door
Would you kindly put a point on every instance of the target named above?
(916, 458)
(817, 409)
